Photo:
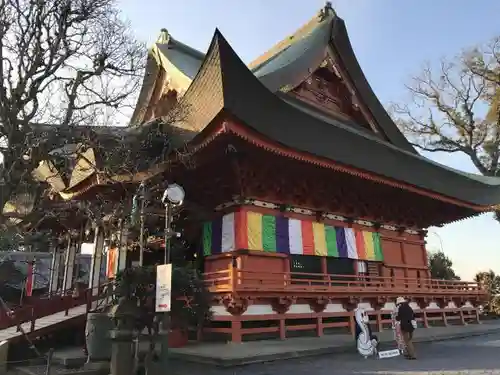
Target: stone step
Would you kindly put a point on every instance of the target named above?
(61, 370)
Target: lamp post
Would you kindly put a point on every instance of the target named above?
(172, 197)
(140, 195)
(439, 238)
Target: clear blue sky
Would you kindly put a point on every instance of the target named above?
(392, 38)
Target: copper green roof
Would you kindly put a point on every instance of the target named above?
(216, 90)
(286, 65)
(224, 85)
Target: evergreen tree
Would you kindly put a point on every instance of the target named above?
(441, 266)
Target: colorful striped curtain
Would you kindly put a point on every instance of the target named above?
(270, 233)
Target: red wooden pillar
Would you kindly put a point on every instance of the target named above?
(424, 318)
(30, 278)
(352, 324)
(462, 318)
(236, 335)
(319, 326)
(445, 318)
(282, 328)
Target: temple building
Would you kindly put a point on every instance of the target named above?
(318, 202)
(305, 199)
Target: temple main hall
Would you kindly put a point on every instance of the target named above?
(318, 203)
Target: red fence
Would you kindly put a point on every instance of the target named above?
(238, 280)
(41, 307)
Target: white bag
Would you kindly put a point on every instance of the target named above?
(414, 324)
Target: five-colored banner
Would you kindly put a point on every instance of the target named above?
(270, 233)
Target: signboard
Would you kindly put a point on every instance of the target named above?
(389, 353)
(163, 287)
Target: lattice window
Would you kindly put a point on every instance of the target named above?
(307, 265)
(340, 269)
(373, 268)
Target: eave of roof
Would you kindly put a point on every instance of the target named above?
(217, 87)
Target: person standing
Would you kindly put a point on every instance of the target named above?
(406, 317)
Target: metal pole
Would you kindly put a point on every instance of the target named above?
(168, 223)
(50, 354)
(54, 273)
(141, 239)
(165, 322)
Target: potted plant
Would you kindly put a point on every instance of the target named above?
(190, 304)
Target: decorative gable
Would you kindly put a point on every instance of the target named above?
(328, 91)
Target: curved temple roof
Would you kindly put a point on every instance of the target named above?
(216, 88)
(222, 74)
(288, 64)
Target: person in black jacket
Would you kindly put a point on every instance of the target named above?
(406, 317)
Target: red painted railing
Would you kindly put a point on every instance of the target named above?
(238, 280)
(40, 307)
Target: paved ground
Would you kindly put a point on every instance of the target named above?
(475, 355)
(262, 351)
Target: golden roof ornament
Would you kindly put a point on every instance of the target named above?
(164, 37)
(326, 11)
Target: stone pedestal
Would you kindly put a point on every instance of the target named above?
(163, 338)
(97, 337)
(4, 351)
(122, 353)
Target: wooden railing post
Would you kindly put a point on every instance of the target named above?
(379, 321)
(232, 281)
(236, 335)
(282, 328)
(424, 318)
(445, 318)
(319, 326)
(352, 324)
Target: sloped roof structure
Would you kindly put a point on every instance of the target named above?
(218, 82)
(282, 68)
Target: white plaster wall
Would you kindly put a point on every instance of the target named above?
(467, 305)
(389, 306)
(365, 305)
(433, 305)
(4, 350)
(300, 309)
(220, 311)
(414, 306)
(451, 305)
(334, 308)
(259, 310)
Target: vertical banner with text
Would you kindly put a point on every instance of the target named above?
(163, 287)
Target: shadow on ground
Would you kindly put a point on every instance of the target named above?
(477, 355)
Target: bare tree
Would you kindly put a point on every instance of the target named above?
(65, 65)
(456, 107)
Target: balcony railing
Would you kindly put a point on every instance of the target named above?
(238, 280)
